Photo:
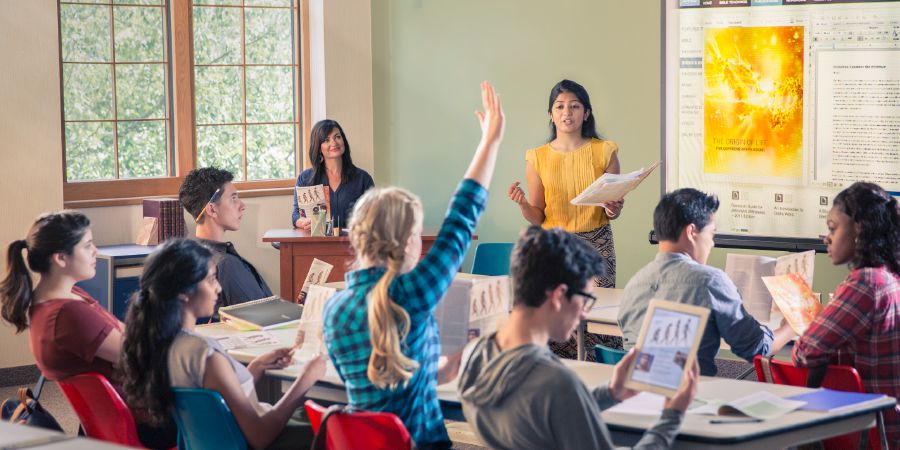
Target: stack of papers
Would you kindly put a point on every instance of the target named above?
(612, 187)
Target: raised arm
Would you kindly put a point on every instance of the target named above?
(493, 122)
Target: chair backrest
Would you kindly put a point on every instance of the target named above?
(360, 430)
(492, 259)
(608, 355)
(101, 410)
(839, 378)
(205, 421)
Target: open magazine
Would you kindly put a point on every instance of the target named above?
(612, 187)
(472, 307)
(747, 272)
(795, 300)
(309, 333)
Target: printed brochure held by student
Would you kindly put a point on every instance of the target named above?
(795, 300)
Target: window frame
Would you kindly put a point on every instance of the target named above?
(84, 194)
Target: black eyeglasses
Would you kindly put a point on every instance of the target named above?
(589, 300)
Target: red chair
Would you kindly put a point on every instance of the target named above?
(100, 409)
(360, 430)
(838, 378)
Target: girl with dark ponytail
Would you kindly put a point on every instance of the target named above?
(70, 332)
(860, 326)
(161, 351)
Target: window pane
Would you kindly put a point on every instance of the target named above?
(218, 2)
(139, 34)
(268, 36)
(87, 1)
(142, 149)
(87, 91)
(217, 35)
(270, 152)
(141, 91)
(267, 2)
(221, 147)
(85, 33)
(89, 151)
(270, 94)
(217, 94)
(138, 2)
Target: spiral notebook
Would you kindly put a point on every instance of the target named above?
(263, 314)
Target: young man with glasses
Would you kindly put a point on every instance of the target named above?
(208, 195)
(516, 393)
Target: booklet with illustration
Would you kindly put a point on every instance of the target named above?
(666, 346)
(747, 271)
(313, 203)
(761, 405)
(263, 314)
(472, 307)
(309, 333)
(318, 274)
(612, 187)
(795, 300)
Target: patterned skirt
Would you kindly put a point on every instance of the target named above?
(601, 240)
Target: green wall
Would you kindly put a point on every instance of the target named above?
(429, 57)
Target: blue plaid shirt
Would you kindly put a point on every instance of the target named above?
(346, 326)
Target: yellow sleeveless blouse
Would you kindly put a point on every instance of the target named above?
(564, 175)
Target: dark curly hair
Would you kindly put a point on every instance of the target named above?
(543, 259)
(317, 136)
(876, 214)
(199, 186)
(589, 127)
(154, 320)
(680, 208)
(51, 233)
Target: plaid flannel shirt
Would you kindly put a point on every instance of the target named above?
(862, 321)
(346, 327)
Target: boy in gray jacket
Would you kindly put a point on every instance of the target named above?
(516, 393)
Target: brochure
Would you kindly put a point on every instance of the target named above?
(309, 333)
(795, 300)
(318, 274)
(472, 307)
(313, 203)
(761, 405)
(746, 271)
(612, 187)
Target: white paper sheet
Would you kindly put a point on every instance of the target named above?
(612, 187)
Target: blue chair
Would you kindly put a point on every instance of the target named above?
(492, 259)
(205, 421)
(608, 355)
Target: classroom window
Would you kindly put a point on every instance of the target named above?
(115, 74)
(154, 88)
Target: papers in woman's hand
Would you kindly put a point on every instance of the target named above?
(612, 187)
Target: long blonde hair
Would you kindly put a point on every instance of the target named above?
(382, 222)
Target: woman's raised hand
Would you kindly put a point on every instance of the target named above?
(491, 119)
(516, 194)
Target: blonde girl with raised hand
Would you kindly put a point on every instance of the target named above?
(380, 331)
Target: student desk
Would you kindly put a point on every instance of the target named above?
(792, 429)
(298, 249)
(22, 436)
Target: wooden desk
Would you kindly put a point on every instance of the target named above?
(298, 249)
(794, 428)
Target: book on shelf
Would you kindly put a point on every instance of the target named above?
(263, 314)
(828, 400)
(747, 272)
(169, 215)
(612, 187)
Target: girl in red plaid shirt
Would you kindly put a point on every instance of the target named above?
(863, 319)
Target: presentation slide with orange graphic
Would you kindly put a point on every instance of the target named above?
(753, 101)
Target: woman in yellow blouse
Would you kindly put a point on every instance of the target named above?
(556, 172)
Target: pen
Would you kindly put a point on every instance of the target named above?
(718, 421)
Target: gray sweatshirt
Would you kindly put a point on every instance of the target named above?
(525, 398)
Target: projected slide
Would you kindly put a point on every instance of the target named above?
(777, 105)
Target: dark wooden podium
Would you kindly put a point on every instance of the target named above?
(298, 249)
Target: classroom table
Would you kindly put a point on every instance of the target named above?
(794, 428)
(22, 436)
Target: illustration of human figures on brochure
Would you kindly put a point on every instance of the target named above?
(668, 342)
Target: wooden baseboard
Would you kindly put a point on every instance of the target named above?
(19, 376)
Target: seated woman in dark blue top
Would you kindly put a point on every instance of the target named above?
(332, 166)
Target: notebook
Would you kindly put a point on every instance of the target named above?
(828, 400)
(263, 314)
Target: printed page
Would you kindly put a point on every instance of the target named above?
(246, 340)
(746, 271)
(612, 187)
(760, 405)
(802, 263)
(452, 316)
(309, 332)
(489, 305)
(668, 342)
(318, 274)
(795, 300)
(313, 203)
